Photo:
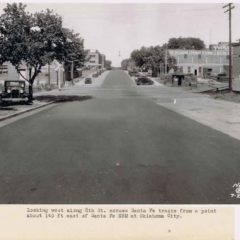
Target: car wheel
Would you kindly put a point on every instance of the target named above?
(29, 102)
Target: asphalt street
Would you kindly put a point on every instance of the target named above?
(118, 148)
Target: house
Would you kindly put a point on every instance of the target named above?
(8, 72)
(201, 63)
(48, 75)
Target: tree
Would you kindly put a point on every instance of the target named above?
(186, 43)
(125, 63)
(152, 58)
(74, 54)
(34, 39)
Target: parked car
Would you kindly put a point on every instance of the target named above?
(222, 77)
(95, 75)
(14, 91)
(88, 80)
(144, 81)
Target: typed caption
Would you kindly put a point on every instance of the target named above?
(115, 213)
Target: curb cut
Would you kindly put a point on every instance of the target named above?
(24, 111)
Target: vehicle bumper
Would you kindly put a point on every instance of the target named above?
(14, 99)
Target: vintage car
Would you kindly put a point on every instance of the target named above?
(88, 80)
(95, 75)
(143, 81)
(14, 91)
(132, 73)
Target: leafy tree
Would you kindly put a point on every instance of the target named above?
(74, 53)
(15, 26)
(35, 40)
(152, 58)
(186, 43)
(125, 63)
(140, 56)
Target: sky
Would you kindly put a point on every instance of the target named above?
(116, 29)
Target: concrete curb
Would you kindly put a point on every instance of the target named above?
(24, 111)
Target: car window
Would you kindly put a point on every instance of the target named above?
(14, 84)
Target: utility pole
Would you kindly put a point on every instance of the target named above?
(166, 59)
(72, 73)
(49, 77)
(229, 7)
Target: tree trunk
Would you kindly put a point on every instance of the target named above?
(30, 88)
(30, 92)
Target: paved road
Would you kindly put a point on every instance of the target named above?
(119, 147)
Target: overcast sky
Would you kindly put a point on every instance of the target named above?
(120, 28)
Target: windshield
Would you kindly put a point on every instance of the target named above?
(14, 84)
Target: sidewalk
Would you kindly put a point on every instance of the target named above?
(221, 115)
(15, 110)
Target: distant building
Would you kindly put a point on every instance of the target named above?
(102, 60)
(219, 46)
(202, 63)
(95, 59)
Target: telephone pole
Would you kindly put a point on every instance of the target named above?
(229, 7)
(166, 59)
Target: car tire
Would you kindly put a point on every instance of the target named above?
(29, 102)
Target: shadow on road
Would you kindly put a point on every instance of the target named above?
(62, 98)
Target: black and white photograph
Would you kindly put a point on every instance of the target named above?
(119, 103)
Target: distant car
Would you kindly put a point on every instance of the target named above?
(144, 81)
(95, 75)
(222, 77)
(14, 91)
(138, 74)
(132, 73)
(88, 80)
(149, 73)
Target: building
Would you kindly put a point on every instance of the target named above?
(8, 72)
(95, 59)
(49, 74)
(236, 60)
(201, 63)
(103, 60)
(236, 66)
(219, 46)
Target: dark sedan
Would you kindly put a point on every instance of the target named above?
(88, 81)
(144, 81)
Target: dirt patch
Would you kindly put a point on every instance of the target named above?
(225, 95)
(62, 98)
